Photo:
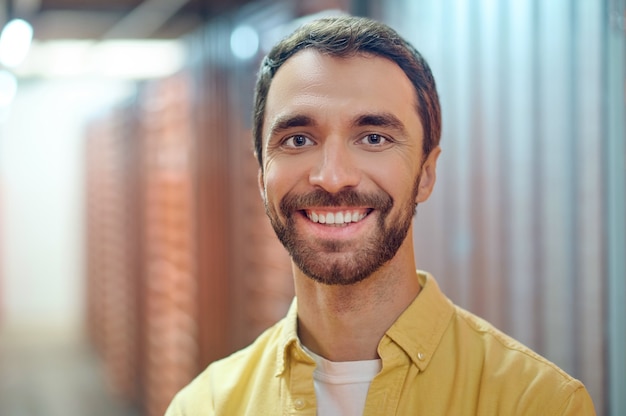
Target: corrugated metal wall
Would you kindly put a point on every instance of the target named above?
(516, 230)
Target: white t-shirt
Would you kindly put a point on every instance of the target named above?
(341, 387)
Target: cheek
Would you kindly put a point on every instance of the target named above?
(286, 170)
(396, 177)
(279, 178)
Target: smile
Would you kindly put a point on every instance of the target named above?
(336, 217)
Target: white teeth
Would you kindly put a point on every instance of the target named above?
(338, 218)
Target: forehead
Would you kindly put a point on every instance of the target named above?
(320, 85)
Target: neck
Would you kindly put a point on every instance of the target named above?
(346, 323)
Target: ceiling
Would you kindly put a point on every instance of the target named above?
(115, 19)
(74, 38)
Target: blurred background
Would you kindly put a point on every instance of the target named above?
(134, 249)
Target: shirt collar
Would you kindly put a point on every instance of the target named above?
(419, 329)
(288, 337)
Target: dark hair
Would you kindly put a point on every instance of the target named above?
(346, 36)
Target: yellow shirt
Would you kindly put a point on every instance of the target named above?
(437, 359)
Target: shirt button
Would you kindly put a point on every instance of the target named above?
(299, 404)
(420, 356)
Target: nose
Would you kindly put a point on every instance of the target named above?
(335, 169)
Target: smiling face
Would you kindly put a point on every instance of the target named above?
(343, 167)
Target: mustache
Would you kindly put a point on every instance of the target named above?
(345, 198)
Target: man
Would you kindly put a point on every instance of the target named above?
(346, 128)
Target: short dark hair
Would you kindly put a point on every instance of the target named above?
(347, 36)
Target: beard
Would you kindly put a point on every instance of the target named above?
(339, 262)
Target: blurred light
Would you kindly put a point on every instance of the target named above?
(62, 58)
(244, 42)
(119, 59)
(14, 42)
(8, 88)
(136, 59)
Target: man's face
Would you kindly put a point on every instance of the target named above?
(343, 167)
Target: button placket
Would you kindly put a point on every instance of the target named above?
(301, 389)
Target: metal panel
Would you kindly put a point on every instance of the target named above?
(614, 89)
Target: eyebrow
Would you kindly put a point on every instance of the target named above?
(387, 120)
(290, 121)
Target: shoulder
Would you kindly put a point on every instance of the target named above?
(514, 372)
(494, 345)
(222, 382)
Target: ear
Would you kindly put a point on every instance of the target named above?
(261, 184)
(428, 175)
